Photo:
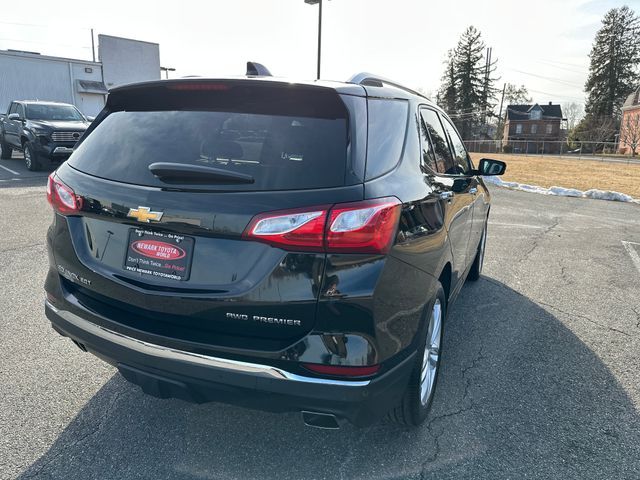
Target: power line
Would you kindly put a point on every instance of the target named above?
(557, 95)
(551, 79)
(39, 25)
(560, 63)
(550, 64)
(41, 43)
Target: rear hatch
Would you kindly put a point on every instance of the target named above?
(170, 176)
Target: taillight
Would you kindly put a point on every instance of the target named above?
(360, 227)
(299, 229)
(363, 227)
(342, 370)
(61, 197)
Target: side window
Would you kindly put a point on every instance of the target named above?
(21, 111)
(428, 156)
(462, 163)
(13, 108)
(441, 152)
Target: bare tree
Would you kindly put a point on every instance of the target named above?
(514, 95)
(573, 113)
(630, 132)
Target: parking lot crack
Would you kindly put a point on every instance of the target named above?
(22, 247)
(539, 237)
(588, 319)
(431, 425)
(98, 426)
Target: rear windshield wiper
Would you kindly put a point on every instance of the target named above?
(196, 174)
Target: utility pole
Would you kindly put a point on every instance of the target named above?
(93, 48)
(487, 73)
(504, 87)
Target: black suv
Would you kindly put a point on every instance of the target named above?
(278, 245)
(44, 131)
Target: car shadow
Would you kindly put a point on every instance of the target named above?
(519, 396)
(15, 174)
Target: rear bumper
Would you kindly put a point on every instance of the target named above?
(165, 372)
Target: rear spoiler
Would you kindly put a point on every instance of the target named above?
(243, 95)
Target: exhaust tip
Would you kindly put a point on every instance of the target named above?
(325, 421)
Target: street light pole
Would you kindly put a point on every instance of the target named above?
(319, 2)
(319, 37)
(166, 71)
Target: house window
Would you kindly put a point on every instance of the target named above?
(536, 114)
(549, 129)
(519, 128)
(534, 128)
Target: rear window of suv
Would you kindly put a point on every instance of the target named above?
(281, 152)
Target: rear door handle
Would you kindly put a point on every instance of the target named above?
(446, 195)
(473, 191)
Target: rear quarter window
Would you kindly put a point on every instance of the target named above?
(387, 129)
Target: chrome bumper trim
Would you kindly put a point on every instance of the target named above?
(159, 351)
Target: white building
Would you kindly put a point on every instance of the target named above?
(32, 76)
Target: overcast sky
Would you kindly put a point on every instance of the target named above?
(542, 44)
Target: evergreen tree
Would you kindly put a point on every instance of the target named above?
(448, 93)
(615, 58)
(467, 92)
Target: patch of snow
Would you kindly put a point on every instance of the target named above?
(561, 191)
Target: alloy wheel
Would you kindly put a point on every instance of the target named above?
(431, 358)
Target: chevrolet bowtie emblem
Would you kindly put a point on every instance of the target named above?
(144, 214)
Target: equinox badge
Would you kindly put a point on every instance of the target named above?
(144, 214)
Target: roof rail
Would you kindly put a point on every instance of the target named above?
(372, 80)
(255, 69)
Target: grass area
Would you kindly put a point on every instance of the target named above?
(569, 173)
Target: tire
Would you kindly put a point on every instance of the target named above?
(476, 268)
(5, 150)
(31, 159)
(417, 398)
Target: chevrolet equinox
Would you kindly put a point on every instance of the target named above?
(285, 246)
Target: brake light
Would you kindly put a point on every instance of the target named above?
(342, 370)
(363, 227)
(61, 197)
(360, 227)
(198, 86)
(299, 229)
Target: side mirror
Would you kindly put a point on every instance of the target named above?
(491, 167)
(14, 116)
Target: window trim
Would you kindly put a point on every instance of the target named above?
(446, 133)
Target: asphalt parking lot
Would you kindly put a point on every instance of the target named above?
(14, 172)
(540, 379)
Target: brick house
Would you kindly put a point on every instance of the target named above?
(630, 124)
(533, 128)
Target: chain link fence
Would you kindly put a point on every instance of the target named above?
(593, 150)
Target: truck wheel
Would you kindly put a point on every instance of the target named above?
(31, 159)
(416, 401)
(5, 150)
